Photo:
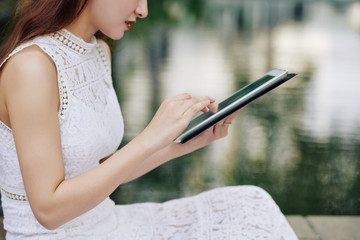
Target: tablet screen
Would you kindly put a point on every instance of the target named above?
(245, 90)
(239, 94)
(236, 101)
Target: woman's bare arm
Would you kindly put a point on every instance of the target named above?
(32, 100)
(174, 150)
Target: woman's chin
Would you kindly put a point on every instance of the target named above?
(116, 35)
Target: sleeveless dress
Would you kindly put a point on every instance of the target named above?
(91, 127)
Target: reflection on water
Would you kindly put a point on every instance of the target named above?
(301, 142)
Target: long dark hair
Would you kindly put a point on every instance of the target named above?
(33, 18)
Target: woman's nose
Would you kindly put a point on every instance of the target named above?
(142, 10)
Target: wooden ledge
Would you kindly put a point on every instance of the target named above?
(326, 227)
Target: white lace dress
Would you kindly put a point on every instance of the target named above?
(91, 127)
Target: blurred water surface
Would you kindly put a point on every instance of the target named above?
(300, 142)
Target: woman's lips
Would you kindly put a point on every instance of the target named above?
(128, 24)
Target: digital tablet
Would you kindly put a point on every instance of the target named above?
(239, 99)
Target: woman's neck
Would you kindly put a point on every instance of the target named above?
(82, 27)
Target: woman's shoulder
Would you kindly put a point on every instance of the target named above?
(29, 61)
(27, 68)
(31, 52)
(28, 81)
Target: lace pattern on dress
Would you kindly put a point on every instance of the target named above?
(13, 194)
(64, 98)
(6, 136)
(104, 57)
(74, 43)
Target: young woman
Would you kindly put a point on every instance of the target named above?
(61, 126)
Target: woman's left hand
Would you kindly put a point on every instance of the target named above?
(218, 131)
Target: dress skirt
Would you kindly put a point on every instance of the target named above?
(239, 212)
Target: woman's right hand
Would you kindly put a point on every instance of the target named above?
(172, 117)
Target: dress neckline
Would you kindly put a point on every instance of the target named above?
(70, 40)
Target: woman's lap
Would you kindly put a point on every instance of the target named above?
(236, 212)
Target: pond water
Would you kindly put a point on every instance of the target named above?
(300, 142)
